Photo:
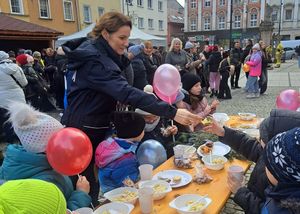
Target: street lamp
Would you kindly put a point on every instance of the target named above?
(280, 17)
(230, 25)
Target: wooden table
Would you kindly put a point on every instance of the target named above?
(217, 189)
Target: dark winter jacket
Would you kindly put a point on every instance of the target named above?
(282, 199)
(252, 197)
(213, 61)
(98, 85)
(246, 52)
(236, 55)
(140, 72)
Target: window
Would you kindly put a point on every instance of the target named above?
(150, 4)
(150, 23)
(193, 4)
(274, 15)
(207, 3)
(87, 17)
(160, 6)
(140, 22)
(193, 25)
(140, 3)
(160, 25)
(288, 14)
(221, 22)
(254, 0)
(237, 2)
(16, 6)
(207, 23)
(44, 9)
(253, 18)
(222, 2)
(68, 10)
(237, 21)
(100, 11)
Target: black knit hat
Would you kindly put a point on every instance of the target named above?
(128, 124)
(189, 80)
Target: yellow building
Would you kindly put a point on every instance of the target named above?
(91, 10)
(60, 15)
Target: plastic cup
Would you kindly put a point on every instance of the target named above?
(178, 151)
(236, 172)
(84, 210)
(146, 199)
(146, 171)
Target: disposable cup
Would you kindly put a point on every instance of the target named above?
(84, 210)
(146, 199)
(146, 171)
(236, 172)
(178, 151)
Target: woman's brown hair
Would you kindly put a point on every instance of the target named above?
(111, 22)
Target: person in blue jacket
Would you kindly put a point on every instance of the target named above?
(98, 84)
(282, 158)
(29, 160)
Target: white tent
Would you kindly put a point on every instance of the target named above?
(136, 36)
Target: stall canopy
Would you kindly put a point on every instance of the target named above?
(136, 36)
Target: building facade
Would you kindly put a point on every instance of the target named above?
(209, 20)
(55, 14)
(149, 16)
(90, 10)
(288, 15)
(175, 21)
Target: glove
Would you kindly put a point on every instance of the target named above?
(136, 49)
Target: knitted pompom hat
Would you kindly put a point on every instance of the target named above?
(30, 196)
(33, 128)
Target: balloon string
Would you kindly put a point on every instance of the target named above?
(173, 137)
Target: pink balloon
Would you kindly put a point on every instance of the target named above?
(288, 99)
(169, 99)
(167, 82)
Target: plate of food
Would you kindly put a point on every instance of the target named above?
(247, 126)
(176, 178)
(216, 148)
(247, 116)
(122, 194)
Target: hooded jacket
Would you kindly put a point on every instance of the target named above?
(255, 64)
(20, 164)
(252, 197)
(98, 85)
(9, 88)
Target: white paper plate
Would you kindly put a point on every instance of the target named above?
(218, 149)
(186, 178)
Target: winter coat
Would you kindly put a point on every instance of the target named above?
(255, 64)
(252, 197)
(177, 58)
(282, 199)
(246, 52)
(140, 72)
(214, 61)
(9, 88)
(20, 164)
(116, 161)
(98, 85)
(151, 64)
(236, 55)
(192, 63)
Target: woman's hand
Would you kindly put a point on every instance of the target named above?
(83, 184)
(185, 117)
(215, 128)
(234, 184)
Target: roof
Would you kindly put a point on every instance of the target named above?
(13, 26)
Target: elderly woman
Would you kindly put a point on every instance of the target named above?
(177, 56)
(98, 84)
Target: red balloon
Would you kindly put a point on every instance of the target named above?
(288, 99)
(69, 151)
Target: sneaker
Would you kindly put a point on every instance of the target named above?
(250, 95)
(257, 94)
(237, 87)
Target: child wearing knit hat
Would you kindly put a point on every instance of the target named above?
(115, 156)
(282, 158)
(31, 196)
(195, 101)
(29, 160)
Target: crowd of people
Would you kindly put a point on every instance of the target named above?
(105, 84)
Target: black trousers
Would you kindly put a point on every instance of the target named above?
(234, 79)
(6, 129)
(263, 81)
(224, 88)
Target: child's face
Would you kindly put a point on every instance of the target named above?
(271, 177)
(196, 89)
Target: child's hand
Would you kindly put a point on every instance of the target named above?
(173, 130)
(83, 184)
(215, 128)
(214, 104)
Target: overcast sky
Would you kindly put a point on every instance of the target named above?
(181, 2)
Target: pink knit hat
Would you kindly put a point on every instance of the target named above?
(33, 128)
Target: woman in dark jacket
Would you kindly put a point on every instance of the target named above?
(252, 197)
(214, 76)
(263, 79)
(98, 85)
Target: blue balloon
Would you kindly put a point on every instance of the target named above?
(151, 152)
